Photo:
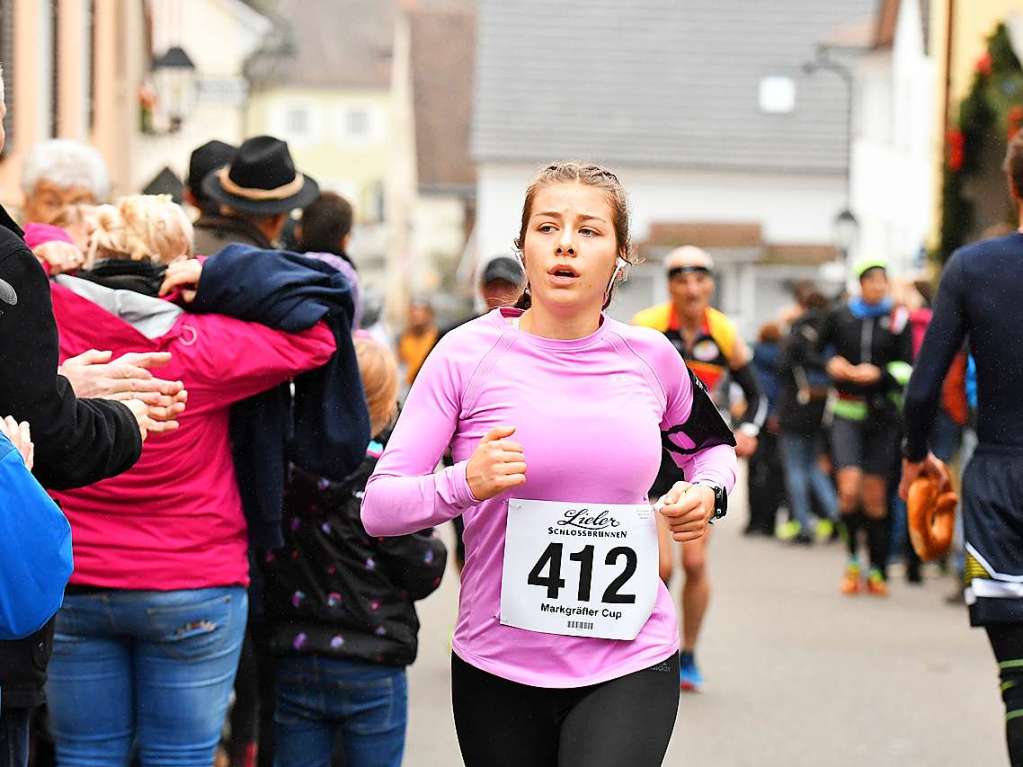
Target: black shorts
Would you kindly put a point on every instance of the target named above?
(868, 445)
(625, 721)
(993, 523)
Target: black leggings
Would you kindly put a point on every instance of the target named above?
(1007, 642)
(624, 721)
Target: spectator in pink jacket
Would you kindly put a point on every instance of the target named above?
(147, 642)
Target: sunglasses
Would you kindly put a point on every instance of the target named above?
(678, 271)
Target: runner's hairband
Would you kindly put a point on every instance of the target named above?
(678, 271)
(282, 192)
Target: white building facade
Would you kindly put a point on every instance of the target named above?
(893, 144)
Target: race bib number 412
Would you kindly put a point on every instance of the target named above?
(579, 569)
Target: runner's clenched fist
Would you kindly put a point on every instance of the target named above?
(497, 464)
(687, 508)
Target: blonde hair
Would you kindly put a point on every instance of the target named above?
(141, 226)
(379, 373)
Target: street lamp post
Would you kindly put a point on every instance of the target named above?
(174, 83)
(845, 227)
(844, 231)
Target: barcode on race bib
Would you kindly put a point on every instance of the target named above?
(580, 625)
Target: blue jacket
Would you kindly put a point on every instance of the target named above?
(765, 360)
(324, 428)
(35, 549)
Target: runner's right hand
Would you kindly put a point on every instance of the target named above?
(498, 464)
(839, 368)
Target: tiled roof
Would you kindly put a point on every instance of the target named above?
(801, 254)
(442, 53)
(328, 43)
(658, 82)
(706, 234)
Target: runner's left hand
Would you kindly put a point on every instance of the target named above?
(687, 509)
(928, 467)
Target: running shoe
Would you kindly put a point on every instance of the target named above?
(788, 530)
(851, 580)
(876, 584)
(825, 530)
(689, 677)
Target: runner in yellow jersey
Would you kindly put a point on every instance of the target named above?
(710, 344)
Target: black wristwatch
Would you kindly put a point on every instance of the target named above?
(720, 500)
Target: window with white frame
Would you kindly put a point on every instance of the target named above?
(357, 124)
(296, 121)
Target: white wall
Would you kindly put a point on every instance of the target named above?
(438, 238)
(891, 164)
(792, 209)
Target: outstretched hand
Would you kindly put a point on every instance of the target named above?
(93, 374)
(129, 380)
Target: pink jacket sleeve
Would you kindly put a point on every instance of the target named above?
(404, 494)
(237, 360)
(39, 234)
(691, 415)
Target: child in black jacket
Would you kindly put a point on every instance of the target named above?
(340, 606)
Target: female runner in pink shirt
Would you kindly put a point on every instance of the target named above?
(566, 649)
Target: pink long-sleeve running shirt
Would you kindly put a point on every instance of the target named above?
(590, 413)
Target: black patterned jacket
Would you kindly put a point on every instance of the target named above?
(333, 589)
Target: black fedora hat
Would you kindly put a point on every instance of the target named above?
(208, 157)
(261, 179)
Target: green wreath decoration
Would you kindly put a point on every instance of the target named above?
(995, 101)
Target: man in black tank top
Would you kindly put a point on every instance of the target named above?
(981, 298)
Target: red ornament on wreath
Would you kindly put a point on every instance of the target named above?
(956, 149)
(983, 65)
(1015, 120)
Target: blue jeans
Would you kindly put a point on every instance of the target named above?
(144, 670)
(803, 475)
(317, 698)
